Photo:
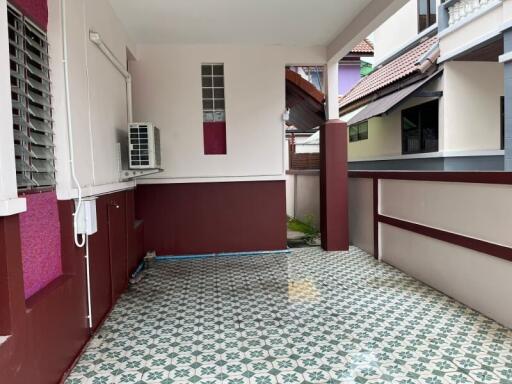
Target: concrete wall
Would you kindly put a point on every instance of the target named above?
(360, 199)
(472, 92)
(303, 196)
(97, 93)
(167, 91)
(473, 29)
(482, 211)
(396, 31)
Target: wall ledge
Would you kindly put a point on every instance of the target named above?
(305, 172)
(14, 206)
(439, 154)
(95, 190)
(206, 179)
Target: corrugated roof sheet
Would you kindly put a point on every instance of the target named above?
(387, 103)
(395, 70)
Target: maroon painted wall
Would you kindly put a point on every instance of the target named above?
(201, 218)
(48, 330)
(35, 10)
(214, 138)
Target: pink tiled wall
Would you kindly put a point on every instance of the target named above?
(40, 242)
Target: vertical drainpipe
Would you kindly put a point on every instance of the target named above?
(443, 18)
(507, 62)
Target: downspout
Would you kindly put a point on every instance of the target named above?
(96, 39)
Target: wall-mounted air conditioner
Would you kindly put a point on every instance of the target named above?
(144, 146)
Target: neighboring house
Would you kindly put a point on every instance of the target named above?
(352, 67)
(429, 104)
(305, 95)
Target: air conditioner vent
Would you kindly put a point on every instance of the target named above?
(144, 141)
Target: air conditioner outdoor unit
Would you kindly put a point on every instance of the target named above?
(144, 141)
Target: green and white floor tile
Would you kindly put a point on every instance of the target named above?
(306, 317)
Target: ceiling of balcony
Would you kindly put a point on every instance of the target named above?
(270, 22)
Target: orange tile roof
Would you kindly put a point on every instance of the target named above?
(305, 85)
(364, 46)
(393, 71)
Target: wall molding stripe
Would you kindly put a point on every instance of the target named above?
(497, 177)
(482, 246)
(493, 249)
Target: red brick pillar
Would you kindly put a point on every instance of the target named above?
(334, 186)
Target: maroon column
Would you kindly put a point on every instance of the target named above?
(333, 186)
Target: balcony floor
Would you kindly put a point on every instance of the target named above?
(306, 317)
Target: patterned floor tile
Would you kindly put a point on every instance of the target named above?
(307, 317)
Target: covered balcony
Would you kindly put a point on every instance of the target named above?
(124, 262)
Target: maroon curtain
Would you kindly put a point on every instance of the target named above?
(35, 10)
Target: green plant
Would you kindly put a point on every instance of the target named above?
(306, 227)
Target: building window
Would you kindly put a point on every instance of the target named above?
(420, 128)
(214, 111)
(31, 103)
(358, 132)
(427, 14)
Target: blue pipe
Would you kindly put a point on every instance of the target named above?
(220, 254)
(139, 269)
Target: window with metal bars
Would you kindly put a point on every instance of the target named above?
(31, 103)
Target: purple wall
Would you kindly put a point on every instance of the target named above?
(348, 76)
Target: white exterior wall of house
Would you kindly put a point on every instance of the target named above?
(472, 92)
(481, 25)
(97, 94)
(397, 32)
(167, 91)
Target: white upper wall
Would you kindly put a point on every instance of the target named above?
(97, 94)
(167, 92)
(471, 95)
(397, 32)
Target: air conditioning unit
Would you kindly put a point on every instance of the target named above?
(144, 146)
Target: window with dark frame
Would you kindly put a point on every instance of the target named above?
(214, 111)
(420, 128)
(358, 132)
(31, 103)
(427, 14)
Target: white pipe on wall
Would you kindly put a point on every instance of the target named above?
(78, 243)
(96, 39)
(88, 281)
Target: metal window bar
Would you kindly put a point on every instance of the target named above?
(31, 102)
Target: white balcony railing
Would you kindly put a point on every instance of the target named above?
(462, 9)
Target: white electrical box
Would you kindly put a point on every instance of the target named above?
(86, 221)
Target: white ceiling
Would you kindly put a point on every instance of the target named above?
(284, 22)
